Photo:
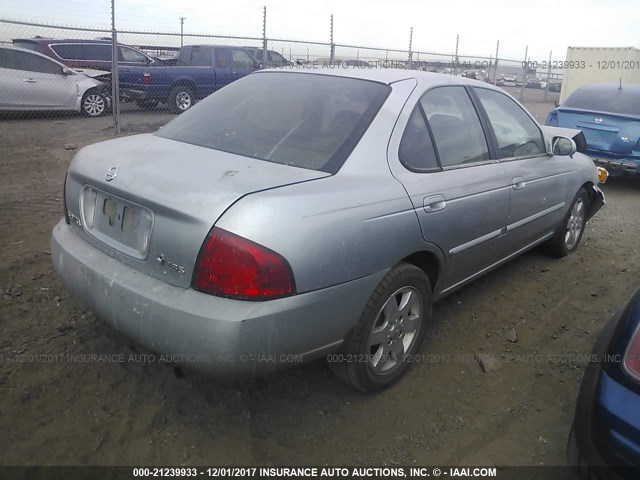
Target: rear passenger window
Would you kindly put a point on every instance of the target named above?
(68, 52)
(96, 51)
(455, 125)
(517, 134)
(416, 149)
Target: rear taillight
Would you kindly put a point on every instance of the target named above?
(234, 267)
(146, 78)
(632, 356)
(64, 199)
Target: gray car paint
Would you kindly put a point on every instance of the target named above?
(340, 233)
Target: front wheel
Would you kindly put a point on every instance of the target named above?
(181, 99)
(568, 236)
(389, 333)
(94, 104)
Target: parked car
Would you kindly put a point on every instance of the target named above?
(555, 86)
(199, 71)
(93, 54)
(30, 81)
(609, 116)
(274, 59)
(507, 80)
(243, 236)
(531, 81)
(605, 437)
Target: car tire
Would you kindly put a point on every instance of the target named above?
(93, 104)
(567, 238)
(181, 99)
(389, 333)
(147, 104)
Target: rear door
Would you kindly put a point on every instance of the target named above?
(539, 181)
(241, 63)
(460, 195)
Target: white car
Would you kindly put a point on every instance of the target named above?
(30, 81)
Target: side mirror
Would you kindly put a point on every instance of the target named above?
(67, 71)
(564, 147)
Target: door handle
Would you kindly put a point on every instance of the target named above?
(30, 80)
(518, 183)
(434, 203)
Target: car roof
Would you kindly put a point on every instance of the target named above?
(47, 41)
(610, 87)
(384, 75)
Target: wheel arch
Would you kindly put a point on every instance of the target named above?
(185, 82)
(431, 264)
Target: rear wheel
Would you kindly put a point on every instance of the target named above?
(181, 99)
(94, 104)
(389, 333)
(568, 236)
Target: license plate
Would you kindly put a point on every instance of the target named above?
(117, 222)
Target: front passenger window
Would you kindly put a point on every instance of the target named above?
(517, 134)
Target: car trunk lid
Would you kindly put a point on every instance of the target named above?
(151, 201)
(603, 132)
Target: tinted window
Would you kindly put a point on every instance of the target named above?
(93, 51)
(200, 57)
(455, 125)
(277, 58)
(221, 58)
(68, 52)
(309, 121)
(416, 149)
(517, 134)
(241, 59)
(609, 98)
(130, 55)
(17, 60)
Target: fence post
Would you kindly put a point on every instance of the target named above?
(115, 80)
(182, 19)
(495, 69)
(457, 61)
(410, 52)
(546, 88)
(524, 72)
(264, 37)
(332, 54)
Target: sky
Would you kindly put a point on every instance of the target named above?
(542, 25)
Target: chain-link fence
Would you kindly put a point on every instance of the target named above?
(48, 68)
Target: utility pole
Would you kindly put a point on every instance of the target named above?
(457, 61)
(546, 87)
(182, 19)
(115, 79)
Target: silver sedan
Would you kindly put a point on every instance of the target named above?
(295, 215)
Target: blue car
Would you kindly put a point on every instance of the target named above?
(605, 438)
(609, 117)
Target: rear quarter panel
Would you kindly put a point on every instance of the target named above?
(339, 228)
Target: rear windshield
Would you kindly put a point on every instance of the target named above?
(308, 121)
(606, 99)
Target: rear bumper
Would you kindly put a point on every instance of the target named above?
(206, 332)
(617, 166)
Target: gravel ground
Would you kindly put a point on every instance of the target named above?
(445, 411)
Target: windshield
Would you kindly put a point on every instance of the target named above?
(606, 98)
(309, 121)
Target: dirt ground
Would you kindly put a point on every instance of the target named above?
(446, 411)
